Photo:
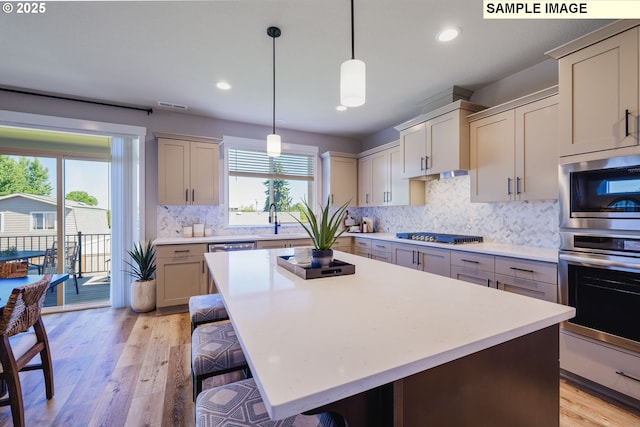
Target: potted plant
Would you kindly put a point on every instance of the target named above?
(324, 231)
(143, 267)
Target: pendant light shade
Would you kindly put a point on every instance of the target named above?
(273, 145)
(273, 140)
(353, 81)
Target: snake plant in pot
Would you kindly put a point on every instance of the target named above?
(143, 267)
(323, 230)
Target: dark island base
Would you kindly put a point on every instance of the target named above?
(511, 384)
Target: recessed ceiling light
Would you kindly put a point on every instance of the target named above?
(223, 85)
(448, 34)
(341, 108)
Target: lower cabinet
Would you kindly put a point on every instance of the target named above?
(181, 273)
(372, 248)
(473, 268)
(531, 278)
(431, 260)
(343, 244)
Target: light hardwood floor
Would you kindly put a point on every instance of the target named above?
(119, 368)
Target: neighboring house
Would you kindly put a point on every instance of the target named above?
(29, 222)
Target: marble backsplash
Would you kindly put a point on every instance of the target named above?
(448, 210)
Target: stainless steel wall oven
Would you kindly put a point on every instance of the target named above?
(599, 260)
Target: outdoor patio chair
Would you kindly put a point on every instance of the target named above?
(71, 260)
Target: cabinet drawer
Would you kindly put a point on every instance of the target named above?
(600, 363)
(180, 251)
(380, 245)
(530, 288)
(474, 261)
(381, 256)
(524, 269)
(299, 242)
(360, 243)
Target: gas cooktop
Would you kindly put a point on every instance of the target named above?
(454, 239)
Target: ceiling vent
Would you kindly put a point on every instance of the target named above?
(172, 105)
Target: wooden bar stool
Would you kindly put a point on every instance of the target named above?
(215, 350)
(206, 309)
(21, 312)
(239, 404)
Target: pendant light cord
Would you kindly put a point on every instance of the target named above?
(274, 85)
(353, 54)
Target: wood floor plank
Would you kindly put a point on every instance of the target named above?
(119, 368)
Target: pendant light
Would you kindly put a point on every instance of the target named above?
(273, 140)
(352, 77)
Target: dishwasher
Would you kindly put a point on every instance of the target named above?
(227, 247)
(231, 246)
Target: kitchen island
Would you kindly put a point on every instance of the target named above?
(392, 346)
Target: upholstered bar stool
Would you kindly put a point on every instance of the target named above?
(215, 350)
(206, 309)
(239, 404)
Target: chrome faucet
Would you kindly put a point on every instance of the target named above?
(274, 219)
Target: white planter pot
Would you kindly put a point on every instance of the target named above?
(143, 295)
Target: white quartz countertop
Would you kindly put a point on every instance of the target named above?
(526, 252)
(313, 342)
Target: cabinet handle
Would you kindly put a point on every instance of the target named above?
(193, 195)
(470, 260)
(426, 162)
(413, 257)
(181, 251)
(626, 123)
(631, 377)
(331, 198)
(186, 195)
(509, 186)
(418, 253)
(203, 267)
(521, 269)
(366, 198)
(488, 283)
(421, 163)
(518, 185)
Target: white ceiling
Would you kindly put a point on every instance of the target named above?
(149, 51)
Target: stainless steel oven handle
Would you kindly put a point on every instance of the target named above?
(598, 261)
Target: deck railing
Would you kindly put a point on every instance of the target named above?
(94, 250)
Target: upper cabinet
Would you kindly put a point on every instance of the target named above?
(339, 178)
(436, 142)
(187, 172)
(514, 150)
(599, 93)
(380, 180)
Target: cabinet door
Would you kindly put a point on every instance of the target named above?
(204, 174)
(379, 178)
(413, 142)
(180, 279)
(471, 275)
(364, 181)
(344, 181)
(597, 85)
(405, 255)
(443, 144)
(492, 158)
(173, 172)
(436, 261)
(530, 288)
(536, 150)
(398, 186)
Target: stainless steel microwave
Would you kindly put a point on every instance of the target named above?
(601, 194)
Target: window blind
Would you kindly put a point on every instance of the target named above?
(250, 163)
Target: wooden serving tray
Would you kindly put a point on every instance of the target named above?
(336, 268)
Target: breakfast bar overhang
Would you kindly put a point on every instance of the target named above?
(391, 346)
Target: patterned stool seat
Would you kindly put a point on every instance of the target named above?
(215, 350)
(239, 405)
(206, 309)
